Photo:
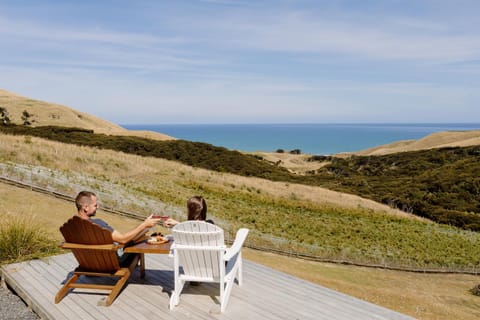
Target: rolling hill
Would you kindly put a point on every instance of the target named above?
(341, 226)
(432, 141)
(431, 182)
(52, 114)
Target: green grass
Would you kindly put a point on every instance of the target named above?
(289, 222)
(439, 184)
(21, 240)
(356, 235)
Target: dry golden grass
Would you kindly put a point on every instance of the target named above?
(434, 140)
(47, 211)
(299, 164)
(296, 163)
(46, 114)
(127, 169)
(422, 296)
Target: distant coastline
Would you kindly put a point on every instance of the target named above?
(319, 139)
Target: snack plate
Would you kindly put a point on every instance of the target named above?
(154, 241)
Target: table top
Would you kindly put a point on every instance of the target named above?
(144, 247)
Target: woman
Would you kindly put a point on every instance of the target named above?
(196, 210)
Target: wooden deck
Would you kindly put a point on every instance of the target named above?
(265, 294)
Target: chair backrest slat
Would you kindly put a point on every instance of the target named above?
(200, 255)
(81, 231)
(190, 236)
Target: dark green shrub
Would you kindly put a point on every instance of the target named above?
(476, 290)
(4, 118)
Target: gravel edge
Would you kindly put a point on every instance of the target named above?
(12, 307)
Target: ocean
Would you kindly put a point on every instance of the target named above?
(318, 139)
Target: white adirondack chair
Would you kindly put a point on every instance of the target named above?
(200, 255)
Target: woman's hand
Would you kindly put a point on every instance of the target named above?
(170, 222)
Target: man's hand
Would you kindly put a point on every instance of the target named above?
(150, 221)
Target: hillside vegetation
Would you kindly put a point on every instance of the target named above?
(295, 216)
(195, 154)
(284, 216)
(438, 184)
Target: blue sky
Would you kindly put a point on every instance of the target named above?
(239, 61)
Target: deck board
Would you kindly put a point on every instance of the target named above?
(265, 294)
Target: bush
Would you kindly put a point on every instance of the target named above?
(319, 158)
(21, 239)
(476, 290)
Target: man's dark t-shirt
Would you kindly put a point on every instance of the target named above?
(102, 224)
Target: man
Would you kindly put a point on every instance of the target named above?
(87, 206)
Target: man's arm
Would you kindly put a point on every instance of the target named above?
(140, 237)
(132, 234)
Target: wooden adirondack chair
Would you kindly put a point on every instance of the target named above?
(200, 255)
(96, 254)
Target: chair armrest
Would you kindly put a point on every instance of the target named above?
(237, 244)
(113, 247)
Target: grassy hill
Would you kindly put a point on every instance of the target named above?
(52, 114)
(432, 141)
(41, 113)
(439, 184)
(283, 215)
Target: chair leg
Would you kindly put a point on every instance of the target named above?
(227, 289)
(175, 298)
(142, 265)
(66, 287)
(177, 283)
(240, 269)
(124, 274)
(117, 288)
